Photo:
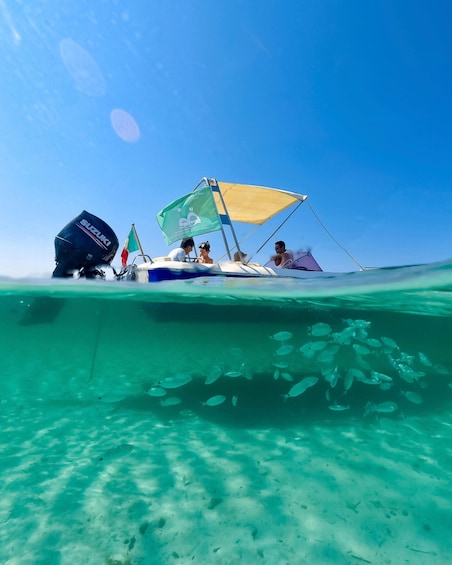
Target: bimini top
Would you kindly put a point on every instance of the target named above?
(254, 204)
(213, 204)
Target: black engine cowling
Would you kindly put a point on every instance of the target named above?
(82, 245)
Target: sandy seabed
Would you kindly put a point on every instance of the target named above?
(127, 483)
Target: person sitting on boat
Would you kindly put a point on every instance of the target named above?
(204, 250)
(181, 253)
(283, 258)
(240, 257)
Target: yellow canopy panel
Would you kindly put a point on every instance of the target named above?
(254, 204)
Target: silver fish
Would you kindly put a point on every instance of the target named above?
(301, 386)
(156, 391)
(344, 337)
(386, 407)
(361, 349)
(348, 380)
(320, 329)
(408, 374)
(413, 397)
(406, 358)
(358, 323)
(356, 374)
(233, 374)
(424, 360)
(284, 350)
(214, 375)
(370, 381)
(215, 400)
(332, 377)
(382, 408)
(170, 401)
(175, 381)
(361, 377)
(393, 362)
(328, 354)
(308, 349)
(389, 342)
(339, 407)
(318, 345)
(361, 334)
(282, 336)
(381, 377)
(287, 377)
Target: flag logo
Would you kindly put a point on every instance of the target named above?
(193, 214)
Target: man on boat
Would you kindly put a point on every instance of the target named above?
(181, 253)
(283, 258)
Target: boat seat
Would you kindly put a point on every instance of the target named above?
(159, 259)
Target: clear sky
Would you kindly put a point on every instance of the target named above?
(120, 106)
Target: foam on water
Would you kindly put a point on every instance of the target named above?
(227, 466)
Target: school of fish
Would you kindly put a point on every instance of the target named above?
(335, 360)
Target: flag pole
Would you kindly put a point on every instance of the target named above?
(138, 240)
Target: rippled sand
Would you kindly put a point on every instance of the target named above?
(132, 483)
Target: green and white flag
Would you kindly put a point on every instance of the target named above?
(190, 215)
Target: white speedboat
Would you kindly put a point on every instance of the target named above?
(87, 244)
(215, 206)
(163, 269)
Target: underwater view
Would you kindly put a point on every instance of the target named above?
(227, 421)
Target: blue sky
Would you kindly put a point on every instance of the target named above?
(119, 107)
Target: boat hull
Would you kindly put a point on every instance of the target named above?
(173, 270)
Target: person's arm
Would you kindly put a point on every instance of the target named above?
(285, 259)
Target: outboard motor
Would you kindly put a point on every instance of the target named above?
(84, 244)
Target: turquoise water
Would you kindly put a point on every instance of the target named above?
(166, 423)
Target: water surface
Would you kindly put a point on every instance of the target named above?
(165, 423)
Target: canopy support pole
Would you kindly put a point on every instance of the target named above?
(225, 219)
(278, 228)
